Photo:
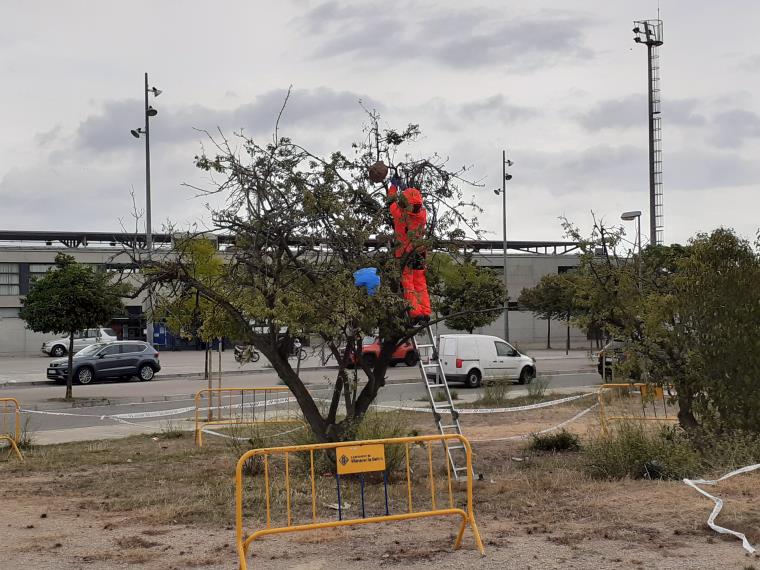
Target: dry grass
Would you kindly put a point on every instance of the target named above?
(168, 483)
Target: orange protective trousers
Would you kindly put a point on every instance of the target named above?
(414, 283)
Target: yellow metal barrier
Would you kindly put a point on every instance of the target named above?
(352, 460)
(10, 423)
(242, 406)
(635, 402)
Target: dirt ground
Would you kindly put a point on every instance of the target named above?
(159, 503)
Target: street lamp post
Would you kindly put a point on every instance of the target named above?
(505, 176)
(627, 217)
(149, 112)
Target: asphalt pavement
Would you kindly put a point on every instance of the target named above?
(115, 409)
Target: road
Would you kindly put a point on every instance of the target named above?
(107, 409)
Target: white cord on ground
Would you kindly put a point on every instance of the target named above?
(719, 504)
(529, 435)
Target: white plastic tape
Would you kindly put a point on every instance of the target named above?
(492, 410)
(237, 438)
(719, 504)
(163, 413)
(529, 435)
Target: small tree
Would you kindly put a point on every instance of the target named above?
(302, 225)
(689, 319)
(553, 297)
(69, 298)
(462, 287)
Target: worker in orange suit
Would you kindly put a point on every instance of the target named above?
(409, 219)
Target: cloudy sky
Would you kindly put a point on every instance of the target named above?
(560, 85)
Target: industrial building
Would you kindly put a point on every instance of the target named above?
(25, 255)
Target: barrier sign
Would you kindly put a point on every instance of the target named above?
(360, 458)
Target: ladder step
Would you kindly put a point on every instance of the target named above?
(425, 346)
(455, 447)
(452, 426)
(436, 385)
(430, 365)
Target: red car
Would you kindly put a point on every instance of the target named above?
(371, 351)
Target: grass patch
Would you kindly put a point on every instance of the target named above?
(537, 389)
(561, 440)
(633, 450)
(440, 396)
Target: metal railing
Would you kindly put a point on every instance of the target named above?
(290, 496)
(636, 401)
(10, 424)
(241, 407)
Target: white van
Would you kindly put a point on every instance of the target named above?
(472, 358)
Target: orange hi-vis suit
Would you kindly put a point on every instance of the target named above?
(409, 226)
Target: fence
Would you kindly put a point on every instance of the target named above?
(10, 424)
(636, 402)
(292, 495)
(242, 406)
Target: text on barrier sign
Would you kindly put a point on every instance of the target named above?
(360, 458)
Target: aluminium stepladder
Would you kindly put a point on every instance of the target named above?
(445, 415)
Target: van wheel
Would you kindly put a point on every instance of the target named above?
(411, 358)
(472, 380)
(527, 375)
(58, 351)
(85, 375)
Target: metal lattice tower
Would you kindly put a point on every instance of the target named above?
(649, 33)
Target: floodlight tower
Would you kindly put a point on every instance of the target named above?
(649, 33)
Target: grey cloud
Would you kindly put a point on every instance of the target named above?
(631, 111)
(454, 38)
(625, 169)
(731, 129)
(322, 107)
(487, 112)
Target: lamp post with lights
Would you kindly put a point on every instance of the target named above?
(149, 112)
(505, 176)
(628, 217)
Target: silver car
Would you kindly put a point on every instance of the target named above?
(60, 346)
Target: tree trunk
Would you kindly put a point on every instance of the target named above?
(305, 401)
(567, 344)
(548, 333)
(70, 374)
(685, 414)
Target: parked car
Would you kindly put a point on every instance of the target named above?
(87, 337)
(472, 358)
(404, 352)
(118, 359)
(614, 352)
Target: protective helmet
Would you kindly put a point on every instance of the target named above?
(413, 196)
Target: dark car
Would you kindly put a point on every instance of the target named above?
(120, 359)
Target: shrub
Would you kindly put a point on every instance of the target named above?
(561, 440)
(633, 450)
(537, 389)
(495, 394)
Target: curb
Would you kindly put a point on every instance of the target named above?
(175, 376)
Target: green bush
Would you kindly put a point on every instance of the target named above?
(561, 440)
(632, 450)
(495, 394)
(537, 390)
